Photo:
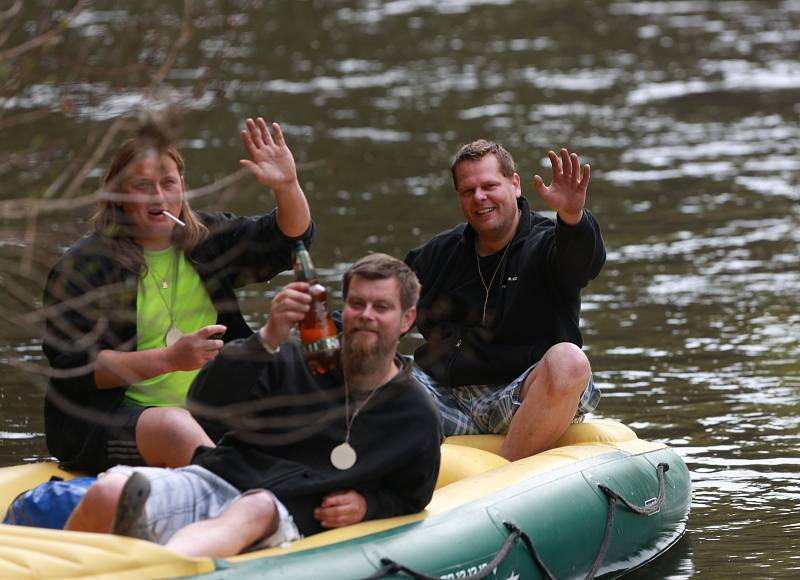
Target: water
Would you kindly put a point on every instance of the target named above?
(687, 110)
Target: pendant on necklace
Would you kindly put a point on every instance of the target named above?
(343, 456)
(173, 335)
(164, 284)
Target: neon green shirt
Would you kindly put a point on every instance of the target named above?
(170, 294)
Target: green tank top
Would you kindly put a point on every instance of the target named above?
(170, 295)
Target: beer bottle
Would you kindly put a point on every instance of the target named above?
(317, 330)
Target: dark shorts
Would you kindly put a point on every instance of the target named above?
(116, 444)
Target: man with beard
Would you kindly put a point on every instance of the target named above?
(307, 452)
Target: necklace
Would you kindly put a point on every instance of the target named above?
(343, 456)
(487, 287)
(173, 334)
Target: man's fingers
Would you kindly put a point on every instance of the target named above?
(566, 164)
(247, 139)
(211, 329)
(555, 162)
(585, 177)
(265, 136)
(575, 167)
(279, 140)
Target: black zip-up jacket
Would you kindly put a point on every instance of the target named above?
(90, 305)
(287, 421)
(534, 304)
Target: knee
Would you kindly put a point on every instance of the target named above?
(105, 492)
(261, 508)
(567, 368)
(170, 423)
(99, 504)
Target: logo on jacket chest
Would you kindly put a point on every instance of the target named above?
(509, 280)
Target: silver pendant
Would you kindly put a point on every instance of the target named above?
(173, 336)
(164, 284)
(343, 456)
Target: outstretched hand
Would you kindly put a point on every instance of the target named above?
(271, 161)
(341, 508)
(566, 194)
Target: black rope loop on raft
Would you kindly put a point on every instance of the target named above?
(645, 510)
(392, 567)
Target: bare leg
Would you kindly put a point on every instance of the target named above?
(158, 425)
(246, 521)
(550, 398)
(95, 512)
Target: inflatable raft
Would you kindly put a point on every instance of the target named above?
(601, 503)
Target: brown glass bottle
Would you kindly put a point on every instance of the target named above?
(317, 330)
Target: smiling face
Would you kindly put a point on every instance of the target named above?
(154, 184)
(488, 199)
(374, 321)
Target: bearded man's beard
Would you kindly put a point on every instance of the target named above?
(361, 356)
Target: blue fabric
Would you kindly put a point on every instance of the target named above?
(48, 505)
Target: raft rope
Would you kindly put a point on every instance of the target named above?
(645, 510)
(391, 567)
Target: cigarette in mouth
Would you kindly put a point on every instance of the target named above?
(173, 218)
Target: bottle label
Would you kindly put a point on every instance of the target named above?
(330, 343)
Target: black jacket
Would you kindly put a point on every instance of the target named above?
(287, 421)
(534, 305)
(90, 305)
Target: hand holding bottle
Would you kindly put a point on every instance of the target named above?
(288, 308)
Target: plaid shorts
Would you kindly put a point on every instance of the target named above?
(179, 497)
(480, 409)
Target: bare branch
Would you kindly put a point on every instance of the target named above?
(45, 38)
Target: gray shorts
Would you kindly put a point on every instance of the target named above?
(179, 497)
(481, 409)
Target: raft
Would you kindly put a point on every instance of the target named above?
(600, 504)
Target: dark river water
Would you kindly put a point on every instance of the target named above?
(687, 111)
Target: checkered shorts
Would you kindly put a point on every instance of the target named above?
(479, 409)
(179, 497)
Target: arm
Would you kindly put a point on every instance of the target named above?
(245, 359)
(117, 368)
(272, 164)
(580, 251)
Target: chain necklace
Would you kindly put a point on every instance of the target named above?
(488, 287)
(343, 456)
(173, 334)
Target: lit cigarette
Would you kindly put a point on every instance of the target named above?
(173, 218)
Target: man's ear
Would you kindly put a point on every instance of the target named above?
(409, 316)
(517, 185)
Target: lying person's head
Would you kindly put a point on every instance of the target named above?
(380, 297)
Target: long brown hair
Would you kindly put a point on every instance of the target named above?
(109, 220)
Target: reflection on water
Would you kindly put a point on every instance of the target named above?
(687, 111)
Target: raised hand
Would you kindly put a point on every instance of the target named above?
(271, 161)
(566, 194)
(341, 508)
(193, 350)
(288, 308)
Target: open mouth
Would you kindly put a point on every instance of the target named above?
(484, 211)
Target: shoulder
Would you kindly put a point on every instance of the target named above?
(443, 242)
(91, 251)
